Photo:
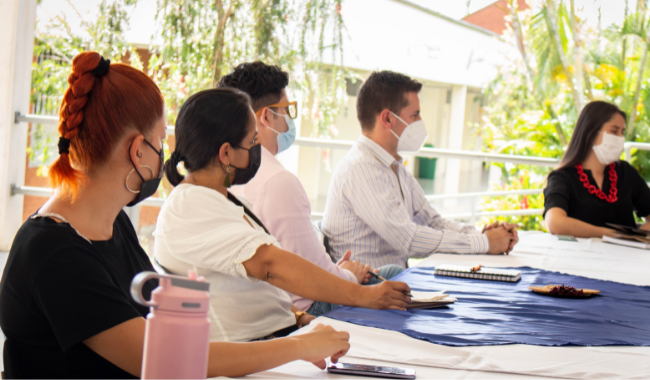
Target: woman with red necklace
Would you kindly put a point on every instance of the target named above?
(592, 187)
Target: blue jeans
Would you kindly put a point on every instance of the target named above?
(388, 271)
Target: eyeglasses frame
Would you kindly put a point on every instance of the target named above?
(281, 105)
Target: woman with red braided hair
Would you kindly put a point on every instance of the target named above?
(65, 306)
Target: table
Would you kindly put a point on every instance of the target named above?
(587, 257)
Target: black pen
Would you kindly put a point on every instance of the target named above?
(375, 275)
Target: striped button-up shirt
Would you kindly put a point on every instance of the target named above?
(376, 209)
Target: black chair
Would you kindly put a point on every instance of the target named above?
(324, 239)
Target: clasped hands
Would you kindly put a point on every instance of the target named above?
(502, 237)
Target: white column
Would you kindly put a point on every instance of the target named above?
(17, 24)
(455, 140)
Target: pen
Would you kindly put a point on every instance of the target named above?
(375, 275)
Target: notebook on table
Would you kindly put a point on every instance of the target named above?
(430, 300)
(627, 230)
(629, 241)
(466, 271)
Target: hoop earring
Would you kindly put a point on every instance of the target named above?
(131, 172)
(226, 182)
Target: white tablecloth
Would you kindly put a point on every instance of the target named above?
(588, 257)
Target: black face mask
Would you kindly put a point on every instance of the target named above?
(242, 176)
(149, 187)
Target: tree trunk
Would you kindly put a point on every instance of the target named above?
(590, 93)
(637, 93)
(539, 94)
(218, 40)
(519, 36)
(555, 38)
(623, 47)
(558, 126)
(578, 54)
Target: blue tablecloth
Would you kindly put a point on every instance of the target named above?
(492, 312)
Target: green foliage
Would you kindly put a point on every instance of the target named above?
(200, 43)
(518, 202)
(54, 50)
(531, 109)
(107, 32)
(49, 81)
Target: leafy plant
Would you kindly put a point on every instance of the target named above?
(518, 202)
(534, 102)
(201, 41)
(55, 46)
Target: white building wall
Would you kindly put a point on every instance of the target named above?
(315, 169)
(443, 54)
(399, 36)
(17, 21)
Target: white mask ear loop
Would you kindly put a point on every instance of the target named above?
(277, 114)
(400, 119)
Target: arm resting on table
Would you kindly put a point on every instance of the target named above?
(296, 275)
(559, 223)
(123, 345)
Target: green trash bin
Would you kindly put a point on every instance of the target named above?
(427, 166)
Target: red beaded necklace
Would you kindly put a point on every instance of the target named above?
(613, 178)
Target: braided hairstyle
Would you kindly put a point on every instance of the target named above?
(102, 103)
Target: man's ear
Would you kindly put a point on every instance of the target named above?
(386, 119)
(264, 117)
(135, 150)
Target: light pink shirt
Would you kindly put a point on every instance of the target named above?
(281, 203)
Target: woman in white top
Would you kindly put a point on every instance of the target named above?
(204, 228)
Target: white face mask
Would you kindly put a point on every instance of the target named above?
(413, 137)
(610, 148)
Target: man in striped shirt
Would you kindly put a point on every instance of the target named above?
(375, 207)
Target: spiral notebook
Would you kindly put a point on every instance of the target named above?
(490, 274)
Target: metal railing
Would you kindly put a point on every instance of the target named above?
(634, 145)
(440, 153)
(343, 144)
(424, 152)
(472, 215)
(47, 192)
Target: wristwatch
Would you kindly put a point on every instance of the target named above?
(298, 314)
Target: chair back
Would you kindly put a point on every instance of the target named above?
(323, 239)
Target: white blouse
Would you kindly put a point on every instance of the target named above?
(200, 229)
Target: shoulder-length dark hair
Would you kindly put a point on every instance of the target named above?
(590, 122)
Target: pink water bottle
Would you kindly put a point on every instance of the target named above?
(177, 335)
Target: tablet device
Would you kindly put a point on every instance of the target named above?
(628, 230)
(371, 370)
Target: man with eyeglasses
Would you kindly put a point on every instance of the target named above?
(276, 195)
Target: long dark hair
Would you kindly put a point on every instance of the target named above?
(206, 121)
(590, 122)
